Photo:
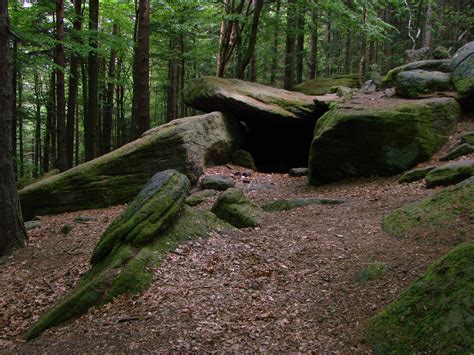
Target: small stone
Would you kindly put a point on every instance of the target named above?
(459, 151)
(32, 225)
(66, 229)
(217, 182)
(85, 219)
(415, 174)
(368, 87)
(468, 137)
(244, 159)
(298, 172)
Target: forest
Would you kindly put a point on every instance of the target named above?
(237, 175)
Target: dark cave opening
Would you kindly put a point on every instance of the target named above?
(279, 146)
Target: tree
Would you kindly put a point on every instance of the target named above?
(141, 93)
(60, 93)
(12, 229)
(291, 17)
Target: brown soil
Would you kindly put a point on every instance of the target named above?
(289, 285)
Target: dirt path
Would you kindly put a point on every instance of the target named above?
(290, 285)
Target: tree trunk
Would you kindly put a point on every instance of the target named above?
(142, 86)
(274, 68)
(14, 105)
(313, 45)
(427, 34)
(37, 151)
(109, 106)
(49, 125)
(172, 101)
(60, 94)
(12, 230)
(73, 86)
(290, 45)
(20, 123)
(347, 53)
(300, 45)
(327, 47)
(363, 50)
(90, 122)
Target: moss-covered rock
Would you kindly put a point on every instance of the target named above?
(373, 271)
(198, 197)
(286, 205)
(250, 101)
(441, 52)
(121, 265)
(385, 140)
(322, 86)
(450, 173)
(217, 182)
(443, 66)
(463, 74)
(435, 315)
(459, 151)
(188, 145)
(233, 207)
(28, 180)
(446, 217)
(468, 137)
(417, 83)
(415, 174)
(244, 159)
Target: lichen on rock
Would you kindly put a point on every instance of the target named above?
(235, 208)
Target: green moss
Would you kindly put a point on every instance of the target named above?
(373, 271)
(435, 315)
(459, 151)
(450, 173)
(443, 66)
(416, 83)
(199, 197)
(233, 207)
(415, 174)
(321, 86)
(244, 159)
(151, 212)
(468, 138)
(383, 141)
(286, 205)
(441, 218)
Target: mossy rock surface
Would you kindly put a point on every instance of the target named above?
(415, 174)
(463, 74)
(417, 83)
(235, 208)
(441, 52)
(450, 174)
(443, 66)
(187, 145)
(322, 86)
(435, 315)
(286, 205)
(249, 101)
(125, 269)
(468, 137)
(29, 180)
(244, 159)
(444, 218)
(217, 182)
(459, 151)
(198, 197)
(380, 141)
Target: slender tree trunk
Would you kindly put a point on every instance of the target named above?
(60, 93)
(363, 50)
(300, 45)
(109, 106)
(276, 35)
(14, 105)
(90, 122)
(20, 123)
(73, 86)
(12, 230)
(142, 85)
(427, 34)
(182, 75)
(49, 126)
(327, 47)
(313, 46)
(288, 80)
(347, 54)
(37, 151)
(78, 139)
(172, 101)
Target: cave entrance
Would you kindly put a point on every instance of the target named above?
(279, 146)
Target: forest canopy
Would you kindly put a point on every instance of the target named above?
(280, 43)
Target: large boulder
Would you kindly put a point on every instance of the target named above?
(417, 83)
(435, 315)
(462, 66)
(188, 145)
(450, 173)
(153, 224)
(322, 86)
(443, 66)
(387, 139)
(447, 217)
(250, 100)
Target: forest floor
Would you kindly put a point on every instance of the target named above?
(289, 285)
